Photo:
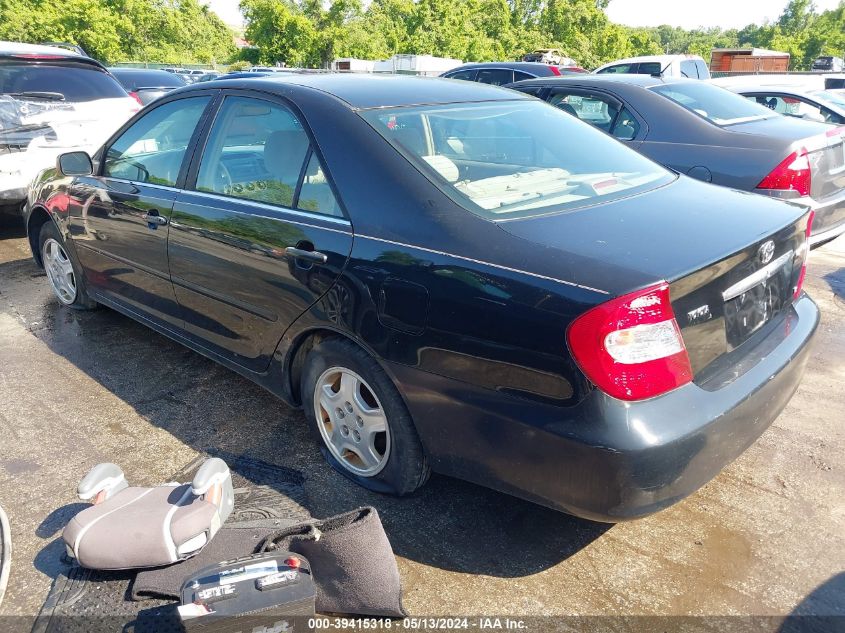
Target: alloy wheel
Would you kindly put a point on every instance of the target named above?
(59, 271)
(351, 421)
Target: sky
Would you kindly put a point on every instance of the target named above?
(686, 13)
(228, 11)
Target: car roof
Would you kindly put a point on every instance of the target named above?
(21, 48)
(785, 89)
(122, 69)
(643, 81)
(650, 58)
(362, 91)
(526, 66)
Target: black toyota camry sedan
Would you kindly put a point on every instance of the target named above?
(446, 276)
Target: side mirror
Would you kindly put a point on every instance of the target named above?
(75, 164)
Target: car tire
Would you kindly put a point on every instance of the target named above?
(63, 273)
(347, 398)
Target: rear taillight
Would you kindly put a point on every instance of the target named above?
(793, 174)
(135, 96)
(631, 347)
(555, 70)
(802, 255)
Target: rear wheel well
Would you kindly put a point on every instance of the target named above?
(38, 218)
(302, 346)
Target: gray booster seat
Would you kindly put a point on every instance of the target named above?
(129, 527)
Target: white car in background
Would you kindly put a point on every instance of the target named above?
(52, 101)
(688, 66)
(798, 97)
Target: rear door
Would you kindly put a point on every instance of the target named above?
(121, 228)
(259, 234)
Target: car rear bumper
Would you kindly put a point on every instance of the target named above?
(605, 459)
(829, 221)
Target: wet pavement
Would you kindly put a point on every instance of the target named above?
(766, 537)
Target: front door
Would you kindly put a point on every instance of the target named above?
(120, 228)
(258, 235)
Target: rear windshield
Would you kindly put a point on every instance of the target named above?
(513, 159)
(133, 79)
(715, 104)
(72, 82)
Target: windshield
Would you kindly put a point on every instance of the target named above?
(715, 104)
(70, 83)
(513, 159)
(834, 97)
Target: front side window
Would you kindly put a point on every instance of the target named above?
(619, 69)
(258, 150)
(153, 149)
(795, 107)
(514, 159)
(715, 104)
(466, 75)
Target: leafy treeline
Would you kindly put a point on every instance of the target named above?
(800, 31)
(312, 33)
(165, 31)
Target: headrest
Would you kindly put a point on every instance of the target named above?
(443, 166)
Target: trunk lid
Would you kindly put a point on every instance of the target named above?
(730, 257)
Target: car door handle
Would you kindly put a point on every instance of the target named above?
(310, 256)
(155, 219)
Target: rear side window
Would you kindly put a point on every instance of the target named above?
(715, 104)
(649, 68)
(520, 76)
(153, 149)
(590, 108)
(258, 151)
(599, 111)
(75, 84)
(495, 76)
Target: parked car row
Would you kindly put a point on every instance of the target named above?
(714, 135)
(52, 100)
(456, 277)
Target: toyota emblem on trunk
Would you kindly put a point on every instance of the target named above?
(766, 252)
